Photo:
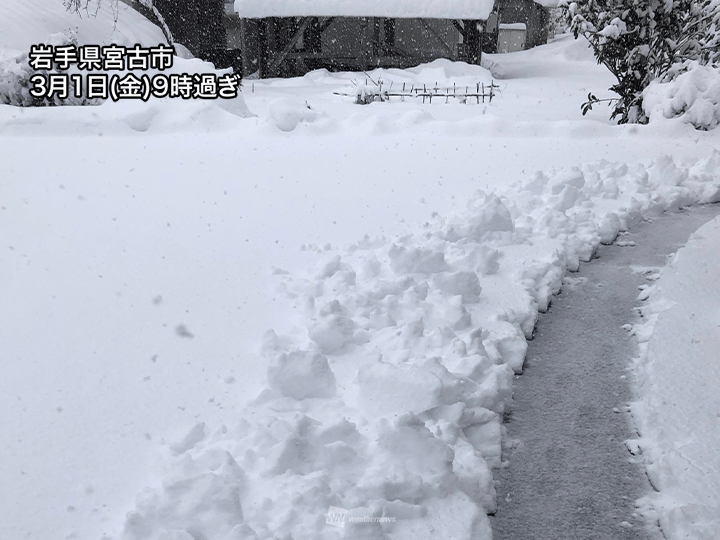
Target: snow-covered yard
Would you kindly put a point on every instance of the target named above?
(258, 317)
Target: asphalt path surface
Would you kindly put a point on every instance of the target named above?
(570, 475)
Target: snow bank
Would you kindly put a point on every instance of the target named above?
(693, 95)
(678, 411)
(385, 395)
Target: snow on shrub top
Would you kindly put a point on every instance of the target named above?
(16, 74)
(694, 95)
(643, 41)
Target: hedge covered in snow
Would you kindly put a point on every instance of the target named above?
(693, 95)
(16, 74)
(644, 41)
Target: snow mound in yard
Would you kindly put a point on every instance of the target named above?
(385, 394)
(127, 117)
(28, 23)
(694, 96)
(678, 411)
(287, 113)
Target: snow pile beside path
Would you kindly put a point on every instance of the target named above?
(694, 95)
(678, 412)
(385, 395)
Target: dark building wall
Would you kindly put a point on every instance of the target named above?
(197, 24)
(347, 43)
(388, 38)
(394, 36)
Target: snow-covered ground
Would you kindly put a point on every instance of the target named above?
(148, 249)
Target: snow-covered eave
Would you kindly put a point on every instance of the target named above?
(427, 9)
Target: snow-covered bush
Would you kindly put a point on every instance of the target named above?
(15, 85)
(16, 74)
(693, 94)
(640, 41)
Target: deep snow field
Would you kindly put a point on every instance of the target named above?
(220, 319)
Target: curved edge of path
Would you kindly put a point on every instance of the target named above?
(567, 472)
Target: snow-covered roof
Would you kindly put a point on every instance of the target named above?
(430, 9)
(513, 26)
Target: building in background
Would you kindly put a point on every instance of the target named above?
(199, 25)
(286, 38)
(280, 38)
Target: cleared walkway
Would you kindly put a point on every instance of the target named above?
(570, 475)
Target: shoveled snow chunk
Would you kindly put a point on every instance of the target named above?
(474, 476)
(461, 283)
(454, 516)
(608, 228)
(204, 506)
(333, 328)
(301, 374)
(194, 436)
(665, 172)
(486, 439)
(416, 260)
(486, 214)
(473, 367)
(386, 388)
(242, 532)
(509, 342)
